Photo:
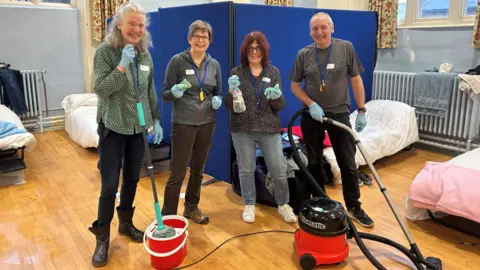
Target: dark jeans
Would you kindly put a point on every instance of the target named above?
(344, 148)
(114, 148)
(187, 141)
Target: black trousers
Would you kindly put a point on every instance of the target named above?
(187, 141)
(344, 148)
(116, 147)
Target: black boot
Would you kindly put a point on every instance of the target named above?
(102, 233)
(126, 225)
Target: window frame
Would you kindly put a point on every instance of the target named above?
(455, 16)
(37, 3)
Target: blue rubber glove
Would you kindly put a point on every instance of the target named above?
(273, 92)
(233, 82)
(128, 53)
(316, 112)
(360, 122)
(158, 132)
(178, 89)
(216, 102)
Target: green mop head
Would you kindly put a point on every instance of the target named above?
(162, 230)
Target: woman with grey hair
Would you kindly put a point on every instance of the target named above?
(123, 68)
(193, 83)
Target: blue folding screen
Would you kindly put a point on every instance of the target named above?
(171, 38)
(287, 30)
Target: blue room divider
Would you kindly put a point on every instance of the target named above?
(171, 38)
(287, 30)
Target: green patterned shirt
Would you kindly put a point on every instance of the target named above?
(116, 90)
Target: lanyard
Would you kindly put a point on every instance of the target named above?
(257, 93)
(203, 79)
(326, 63)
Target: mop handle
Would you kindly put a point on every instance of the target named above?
(141, 118)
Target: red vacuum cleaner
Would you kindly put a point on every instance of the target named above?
(325, 227)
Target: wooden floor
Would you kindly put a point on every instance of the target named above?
(43, 223)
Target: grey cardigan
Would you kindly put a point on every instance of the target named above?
(257, 118)
(189, 109)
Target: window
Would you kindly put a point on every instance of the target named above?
(432, 13)
(61, 3)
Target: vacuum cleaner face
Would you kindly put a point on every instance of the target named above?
(321, 238)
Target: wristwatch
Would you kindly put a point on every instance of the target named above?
(362, 110)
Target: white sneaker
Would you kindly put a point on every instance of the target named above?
(287, 212)
(249, 213)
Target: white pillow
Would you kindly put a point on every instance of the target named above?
(73, 101)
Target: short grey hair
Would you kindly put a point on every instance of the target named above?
(320, 14)
(200, 25)
(114, 36)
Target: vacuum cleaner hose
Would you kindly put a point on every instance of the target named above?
(354, 233)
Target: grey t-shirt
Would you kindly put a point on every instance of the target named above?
(342, 65)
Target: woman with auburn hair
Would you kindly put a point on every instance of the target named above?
(260, 85)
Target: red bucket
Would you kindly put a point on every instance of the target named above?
(167, 253)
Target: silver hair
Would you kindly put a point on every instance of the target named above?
(114, 36)
(319, 14)
(200, 25)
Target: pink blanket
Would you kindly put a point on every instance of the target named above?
(448, 188)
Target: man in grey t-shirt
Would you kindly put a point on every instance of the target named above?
(325, 67)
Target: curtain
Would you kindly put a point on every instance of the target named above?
(102, 10)
(476, 29)
(387, 11)
(286, 3)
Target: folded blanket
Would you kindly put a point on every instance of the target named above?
(471, 85)
(432, 93)
(9, 128)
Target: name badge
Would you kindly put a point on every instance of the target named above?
(189, 72)
(265, 79)
(144, 68)
(330, 66)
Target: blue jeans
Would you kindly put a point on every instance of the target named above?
(271, 147)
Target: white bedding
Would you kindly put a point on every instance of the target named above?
(80, 118)
(391, 127)
(26, 140)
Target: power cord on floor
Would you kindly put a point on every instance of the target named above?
(231, 238)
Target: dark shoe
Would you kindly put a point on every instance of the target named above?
(360, 216)
(102, 233)
(196, 215)
(126, 227)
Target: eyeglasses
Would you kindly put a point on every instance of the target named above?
(251, 49)
(201, 37)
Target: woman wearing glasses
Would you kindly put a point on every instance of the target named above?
(258, 122)
(193, 83)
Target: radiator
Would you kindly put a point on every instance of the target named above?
(456, 131)
(34, 87)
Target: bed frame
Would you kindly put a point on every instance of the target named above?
(460, 224)
(10, 162)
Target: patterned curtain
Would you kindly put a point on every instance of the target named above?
(102, 10)
(285, 3)
(476, 29)
(387, 11)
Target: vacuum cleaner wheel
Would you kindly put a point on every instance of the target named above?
(437, 262)
(307, 261)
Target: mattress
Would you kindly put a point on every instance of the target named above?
(451, 187)
(391, 127)
(19, 140)
(81, 126)
(80, 118)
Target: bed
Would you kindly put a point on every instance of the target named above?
(24, 140)
(451, 187)
(14, 141)
(80, 118)
(391, 127)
